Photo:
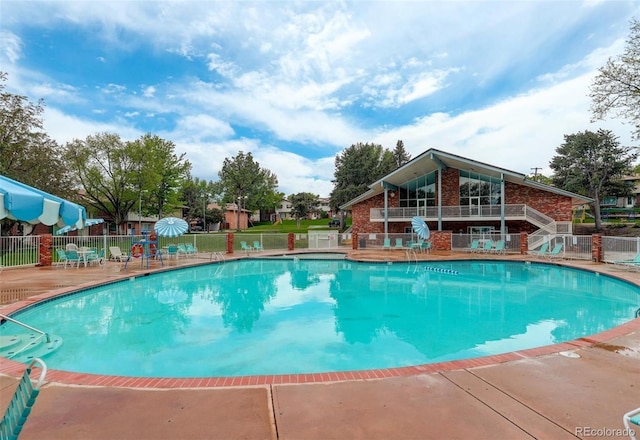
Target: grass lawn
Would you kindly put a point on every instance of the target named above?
(292, 226)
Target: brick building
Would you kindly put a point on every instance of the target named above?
(453, 193)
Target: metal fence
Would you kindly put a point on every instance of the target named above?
(24, 250)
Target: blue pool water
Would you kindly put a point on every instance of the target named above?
(266, 316)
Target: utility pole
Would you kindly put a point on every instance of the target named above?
(535, 173)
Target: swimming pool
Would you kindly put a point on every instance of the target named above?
(258, 317)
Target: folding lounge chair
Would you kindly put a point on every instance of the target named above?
(635, 261)
(22, 401)
(116, 254)
(555, 252)
(62, 257)
(488, 245)
(257, 246)
(499, 248)
(425, 246)
(191, 249)
(386, 245)
(632, 418)
(540, 252)
(399, 243)
(475, 244)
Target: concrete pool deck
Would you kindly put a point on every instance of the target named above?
(530, 394)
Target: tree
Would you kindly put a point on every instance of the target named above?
(161, 172)
(356, 168)
(400, 155)
(118, 177)
(616, 88)
(302, 204)
(27, 153)
(244, 182)
(592, 164)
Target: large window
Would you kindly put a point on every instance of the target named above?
(477, 189)
(419, 192)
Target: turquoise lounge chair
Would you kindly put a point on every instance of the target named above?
(62, 257)
(488, 245)
(425, 246)
(499, 248)
(22, 401)
(386, 245)
(632, 417)
(399, 243)
(555, 252)
(257, 246)
(540, 252)
(475, 246)
(635, 261)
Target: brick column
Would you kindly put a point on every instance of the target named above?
(596, 248)
(230, 242)
(441, 240)
(291, 242)
(44, 250)
(524, 243)
(354, 241)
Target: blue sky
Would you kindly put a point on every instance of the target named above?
(295, 83)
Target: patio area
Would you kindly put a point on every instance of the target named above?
(538, 393)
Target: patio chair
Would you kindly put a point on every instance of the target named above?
(182, 250)
(22, 401)
(425, 246)
(386, 245)
(257, 246)
(487, 246)
(72, 257)
(71, 247)
(172, 251)
(96, 257)
(191, 249)
(540, 252)
(116, 254)
(245, 247)
(499, 248)
(62, 257)
(399, 244)
(555, 252)
(475, 246)
(635, 261)
(632, 417)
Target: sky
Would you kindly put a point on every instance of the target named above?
(297, 82)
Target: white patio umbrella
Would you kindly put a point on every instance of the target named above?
(27, 204)
(170, 227)
(420, 227)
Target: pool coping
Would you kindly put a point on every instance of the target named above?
(16, 369)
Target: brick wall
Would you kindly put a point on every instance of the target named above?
(555, 206)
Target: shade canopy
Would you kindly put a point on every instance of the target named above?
(421, 228)
(27, 204)
(170, 227)
(87, 222)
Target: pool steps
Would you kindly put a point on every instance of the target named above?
(26, 346)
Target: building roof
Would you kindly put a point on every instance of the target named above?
(432, 158)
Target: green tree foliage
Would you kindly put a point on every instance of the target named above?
(616, 88)
(117, 176)
(356, 168)
(197, 194)
(592, 164)
(27, 153)
(400, 155)
(303, 204)
(243, 179)
(161, 172)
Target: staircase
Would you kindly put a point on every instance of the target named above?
(548, 227)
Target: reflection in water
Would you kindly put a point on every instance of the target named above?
(284, 316)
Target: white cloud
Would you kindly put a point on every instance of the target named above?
(11, 46)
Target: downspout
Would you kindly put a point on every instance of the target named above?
(503, 226)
